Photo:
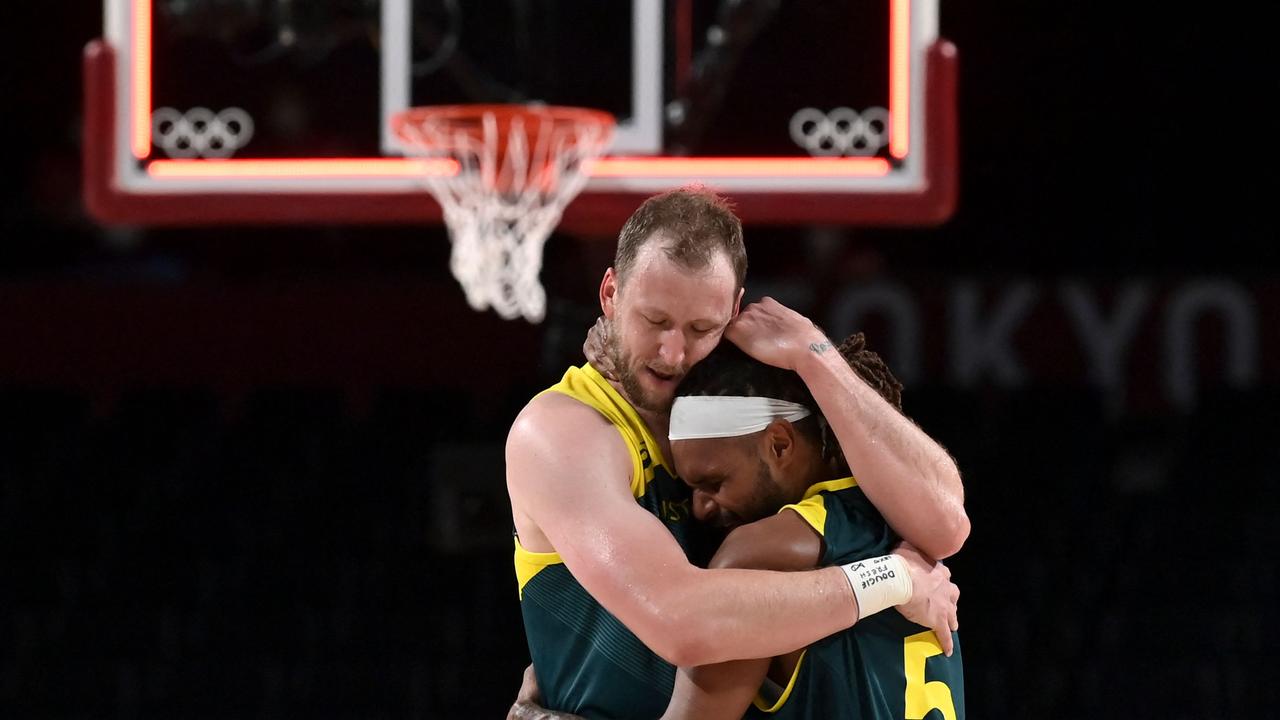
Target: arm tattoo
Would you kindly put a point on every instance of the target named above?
(820, 348)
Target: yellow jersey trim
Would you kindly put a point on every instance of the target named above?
(812, 508)
(814, 511)
(530, 563)
(586, 385)
(830, 486)
(764, 706)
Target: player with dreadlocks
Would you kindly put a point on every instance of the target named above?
(750, 441)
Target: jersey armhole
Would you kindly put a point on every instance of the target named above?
(632, 443)
(774, 703)
(813, 510)
(637, 464)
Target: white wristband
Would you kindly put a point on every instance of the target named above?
(878, 583)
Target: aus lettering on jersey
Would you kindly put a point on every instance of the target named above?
(675, 511)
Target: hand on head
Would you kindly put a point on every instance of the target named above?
(775, 334)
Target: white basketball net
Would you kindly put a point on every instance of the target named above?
(503, 203)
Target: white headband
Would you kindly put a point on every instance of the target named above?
(712, 416)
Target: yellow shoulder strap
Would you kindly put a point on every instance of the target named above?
(586, 385)
(813, 508)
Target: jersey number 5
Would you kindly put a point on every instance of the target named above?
(924, 696)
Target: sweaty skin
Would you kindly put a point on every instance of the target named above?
(568, 476)
(926, 505)
(726, 475)
(724, 691)
(910, 479)
(569, 472)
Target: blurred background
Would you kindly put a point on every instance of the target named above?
(256, 471)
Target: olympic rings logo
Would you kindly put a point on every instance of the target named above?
(200, 132)
(843, 131)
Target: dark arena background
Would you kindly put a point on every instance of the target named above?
(255, 471)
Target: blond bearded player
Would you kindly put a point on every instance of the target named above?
(610, 601)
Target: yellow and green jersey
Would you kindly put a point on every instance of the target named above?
(884, 667)
(587, 663)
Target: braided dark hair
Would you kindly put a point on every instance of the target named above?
(872, 369)
(730, 371)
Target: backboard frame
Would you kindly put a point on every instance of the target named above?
(123, 187)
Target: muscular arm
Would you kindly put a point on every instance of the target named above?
(910, 479)
(568, 475)
(779, 542)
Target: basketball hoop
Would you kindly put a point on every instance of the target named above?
(518, 166)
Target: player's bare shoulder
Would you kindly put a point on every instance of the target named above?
(779, 542)
(551, 416)
(556, 430)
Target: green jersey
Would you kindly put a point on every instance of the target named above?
(587, 663)
(884, 667)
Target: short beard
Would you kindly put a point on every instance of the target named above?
(626, 374)
(767, 497)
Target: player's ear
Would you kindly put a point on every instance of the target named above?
(609, 293)
(780, 442)
(737, 303)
